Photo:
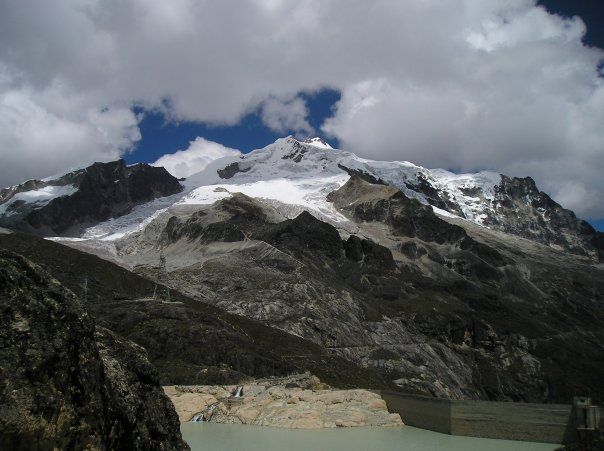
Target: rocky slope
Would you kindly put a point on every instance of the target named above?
(434, 305)
(66, 384)
(187, 341)
(66, 205)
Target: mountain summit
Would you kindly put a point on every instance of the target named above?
(318, 142)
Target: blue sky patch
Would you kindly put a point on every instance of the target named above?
(160, 137)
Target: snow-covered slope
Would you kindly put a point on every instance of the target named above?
(291, 173)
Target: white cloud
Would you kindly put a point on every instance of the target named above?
(36, 141)
(195, 158)
(283, 114)
(467, 84)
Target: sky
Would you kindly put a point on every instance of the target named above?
(504, 85)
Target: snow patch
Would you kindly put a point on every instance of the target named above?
(38, 197)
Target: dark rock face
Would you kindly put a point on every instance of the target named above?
(599, 244)
(237, 217)
(486, 253)
(66, 384)
(412, 250)
(368, 252)
(297, 152)
(305, 234)
(104, 191)
(230, 170)
(373, 270)
(194, 229)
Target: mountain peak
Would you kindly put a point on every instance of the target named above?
(318, 142)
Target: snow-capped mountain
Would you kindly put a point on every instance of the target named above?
(303, 173)
(295, 175)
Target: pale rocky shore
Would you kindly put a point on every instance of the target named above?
(301, 404)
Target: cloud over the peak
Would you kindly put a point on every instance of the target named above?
(282, 115)
(195, 158)
(463, 84)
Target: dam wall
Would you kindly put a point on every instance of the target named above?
(550, 423)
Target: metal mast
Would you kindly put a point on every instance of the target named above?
(85, 287)
(161, 291)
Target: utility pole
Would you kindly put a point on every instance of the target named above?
(161, 290)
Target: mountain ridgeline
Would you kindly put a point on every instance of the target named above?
(68, 205)
(296, 256)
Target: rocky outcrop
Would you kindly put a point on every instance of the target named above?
(66, 384)
(599, 244)
(230, 170)
(101, 191)
(281, 406)
(364, 201)
(521, 209)
(231, 220)
(303, 234)
(433, 196)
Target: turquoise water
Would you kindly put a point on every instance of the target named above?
(212, 436)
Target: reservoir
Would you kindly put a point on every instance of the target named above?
(213, 436)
